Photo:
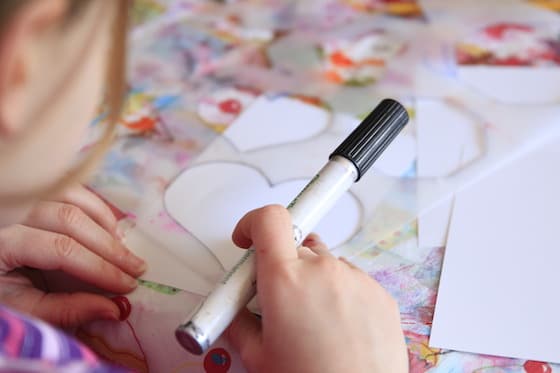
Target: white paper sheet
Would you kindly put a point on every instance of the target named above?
(498, 291)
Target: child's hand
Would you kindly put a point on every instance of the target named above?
(76, 234)
(319, 314)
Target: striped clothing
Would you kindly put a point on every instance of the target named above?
(29, 345)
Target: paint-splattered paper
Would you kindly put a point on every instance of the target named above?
(197, 65)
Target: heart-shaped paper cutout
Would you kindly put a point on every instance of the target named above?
(274, 121)
(209, 199)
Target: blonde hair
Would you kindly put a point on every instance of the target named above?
(114, 97)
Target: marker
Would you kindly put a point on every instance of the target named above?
(346, 165)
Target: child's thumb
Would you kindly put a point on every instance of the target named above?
(244, 334)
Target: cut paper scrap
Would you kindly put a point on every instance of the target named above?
(163, 266)
(500, 272)
(220, 193)
(274, 120)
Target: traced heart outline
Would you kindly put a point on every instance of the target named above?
(180, 204)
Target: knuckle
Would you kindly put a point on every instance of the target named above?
(64, 246)
(65, 194)
(69, 215)
(282, 276)
(68, 317)
(64, 314)
(272, 212)
(283, 273)
(8, 257)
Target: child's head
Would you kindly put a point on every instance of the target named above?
(55, 58)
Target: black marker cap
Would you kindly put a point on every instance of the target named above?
(366, 143)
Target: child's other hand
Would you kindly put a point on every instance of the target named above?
(319, 314)
(75, 234)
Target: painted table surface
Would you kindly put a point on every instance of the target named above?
(193, 67)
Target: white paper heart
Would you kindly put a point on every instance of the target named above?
(209, 199)
(514, 85)
(274, 121)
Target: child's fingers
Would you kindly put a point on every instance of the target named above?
(71, 221)
(91, 205)
(241, 233)
(269, 229)
(313, 242)
(244, 334)
(69, 310)
(305, 252)
(22, 246)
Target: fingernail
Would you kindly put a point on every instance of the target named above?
(129, 281)
(122, 229)
(309, 241)
(313, 239)
(109, 315)
(132, 261)
(137, 263)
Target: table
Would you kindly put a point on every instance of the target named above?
(195, 65)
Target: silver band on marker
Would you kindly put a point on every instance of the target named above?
(192, 338)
